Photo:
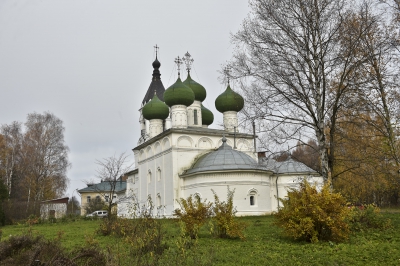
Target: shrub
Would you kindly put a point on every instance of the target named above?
(30, 250)
(224, 221)
(368, 217)
(312, 216)
(143, 234)
(193, 213)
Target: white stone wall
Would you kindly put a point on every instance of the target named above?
(245, 184)
(60, 210)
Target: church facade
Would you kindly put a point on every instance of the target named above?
(178, 155)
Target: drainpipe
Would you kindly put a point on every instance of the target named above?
(254, 135)
(277, 190)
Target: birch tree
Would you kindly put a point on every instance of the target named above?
(45, 157)
(10, 154)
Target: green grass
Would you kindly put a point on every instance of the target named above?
(264, 244)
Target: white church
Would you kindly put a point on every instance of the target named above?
(178, 155)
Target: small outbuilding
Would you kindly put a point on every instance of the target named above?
(55, 208)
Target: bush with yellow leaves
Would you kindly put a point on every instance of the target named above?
(312, 215)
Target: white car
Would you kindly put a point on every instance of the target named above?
(99, 214)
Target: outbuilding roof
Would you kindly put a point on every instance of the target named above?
(105, 186)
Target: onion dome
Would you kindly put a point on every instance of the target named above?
(207, 117)
(229, 101)
(178, 94)
(156, 64)
(199, 91)
(155, 109)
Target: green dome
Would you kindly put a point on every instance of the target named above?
(199, 91)
(207, 117)
(155, 109)
(178, 94)
(229, 101)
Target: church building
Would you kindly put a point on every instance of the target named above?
(178, 155)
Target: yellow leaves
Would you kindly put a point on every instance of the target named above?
(311, 215)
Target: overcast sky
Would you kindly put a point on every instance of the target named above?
(89, 63)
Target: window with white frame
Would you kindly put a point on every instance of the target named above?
(107, 198)
(88, 199)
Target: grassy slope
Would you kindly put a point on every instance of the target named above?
(264, 244)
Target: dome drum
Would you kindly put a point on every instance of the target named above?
(179, 116)
(155, 127)
(194, 114)
(230, 121)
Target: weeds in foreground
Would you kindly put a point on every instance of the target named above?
(30, 250)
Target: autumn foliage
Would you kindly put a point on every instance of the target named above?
(312, 215)
(193, 213)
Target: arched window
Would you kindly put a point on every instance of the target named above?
(158, 200)
(253, 198)
(158, 174)
(195, 117)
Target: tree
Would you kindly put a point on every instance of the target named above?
(34, 160)
(111, 171)
(10, 153)
(294, 72)
(44, 157)
(307, 153)
(3, 197)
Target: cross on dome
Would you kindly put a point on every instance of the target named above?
(178, 62)
(188, 61)
(227, 72)
(156, 48)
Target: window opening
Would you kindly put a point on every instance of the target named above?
(158, 174)
(158, 200)
(195, 116)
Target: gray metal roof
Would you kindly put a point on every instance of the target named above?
(225, 158)
(289, 166)
(105, 186)
(156, 85)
